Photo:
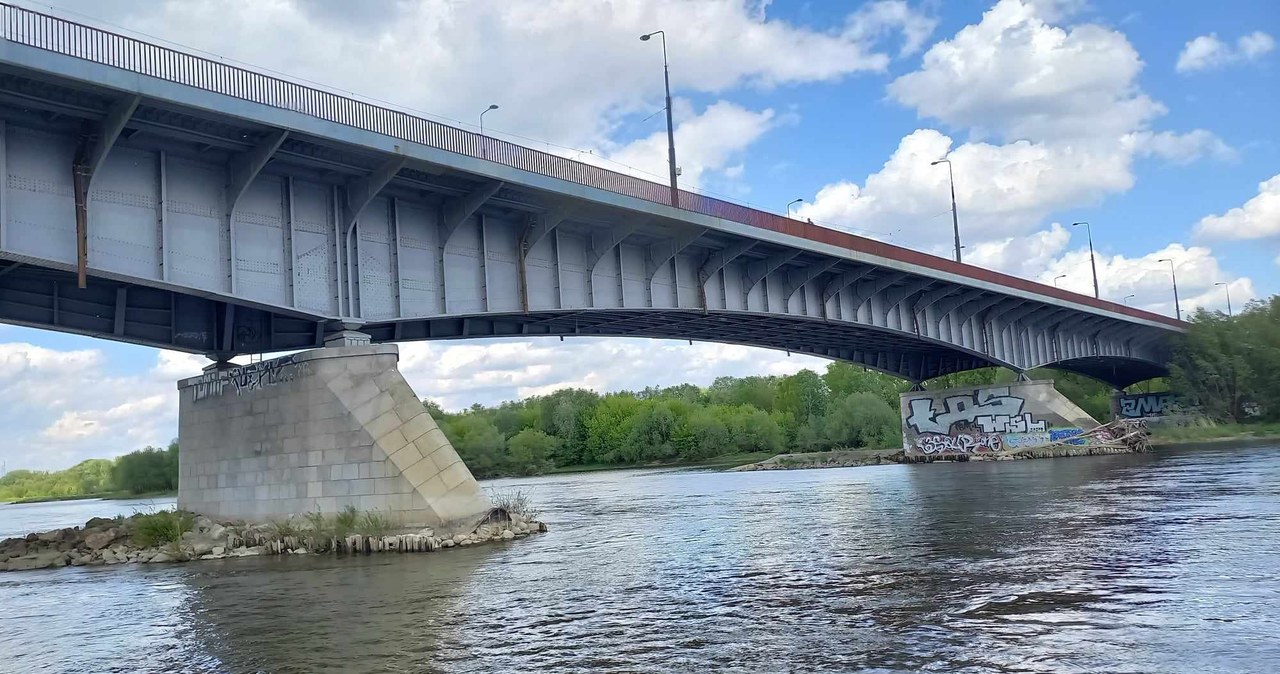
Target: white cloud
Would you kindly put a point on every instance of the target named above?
(1258, 218)
(562, 70)
(1207, 52)
(877, 19)
(1149, 280)
(457, 375)
(1016, 76)
(1180, 148)
(708, 142)
(1067, 120)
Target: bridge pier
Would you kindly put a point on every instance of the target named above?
(319, 430)
(987, 419)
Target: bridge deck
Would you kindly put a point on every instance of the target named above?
(259, 212)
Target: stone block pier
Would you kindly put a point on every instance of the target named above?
(319, 430)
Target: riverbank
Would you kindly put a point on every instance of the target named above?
(722, 461)
(171, 537)
(1215, 435)
(105, 496)
(1114, 438)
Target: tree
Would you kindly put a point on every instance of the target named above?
(530, 450)
(150, 469)
(478, 442)
(803, 394)
(863, 419)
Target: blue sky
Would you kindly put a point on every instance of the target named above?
(1156, 124)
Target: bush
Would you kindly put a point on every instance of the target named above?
(147, 470)
(375, 524)
(516, 501)
(160, 528)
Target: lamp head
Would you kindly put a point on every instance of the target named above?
(935, 163)
(493, 106)
(645, 37)
(1077, 224)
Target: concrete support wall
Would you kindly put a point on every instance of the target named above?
(321, 429)
(990, 418)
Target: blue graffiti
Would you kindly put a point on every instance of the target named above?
(1067, 434)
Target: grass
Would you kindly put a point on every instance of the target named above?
(160, 528)
(1188, 434)
(516, 501)
(286, 528)
(375, 524)
(104, 495)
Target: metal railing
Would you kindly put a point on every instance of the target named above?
(51, 33)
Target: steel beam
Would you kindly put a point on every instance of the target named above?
(796, 281)
(758, 270)
(844, 280)
(360, 191)
(246, 166)
(661, 253)
(455, 211)
(90, 157)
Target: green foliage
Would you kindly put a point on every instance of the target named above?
(374, 523)
(160, 528)
(1228, 364)
(529, 451)
(87, 477)
(345, 521)
(147, 470)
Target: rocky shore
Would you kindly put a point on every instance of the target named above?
(103, 541)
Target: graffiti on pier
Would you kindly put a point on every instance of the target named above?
(249, 377)
(959, 443)
(1139, 405)
(992, 410)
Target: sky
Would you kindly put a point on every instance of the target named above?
(1155, 125)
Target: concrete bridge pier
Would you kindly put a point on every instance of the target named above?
(319, 430)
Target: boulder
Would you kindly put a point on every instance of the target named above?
(41, 560)
(160, 558)
(459, 538)
(508, 535)
(101, 539)
(218, 550)
(99, 522)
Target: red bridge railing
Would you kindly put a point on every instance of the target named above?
(51, 33)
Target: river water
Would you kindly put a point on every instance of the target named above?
(1168, 562)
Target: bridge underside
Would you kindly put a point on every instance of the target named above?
(225, 221)
(112, 309)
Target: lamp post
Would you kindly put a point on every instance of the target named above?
(1126, 299)
(492, 107)
(484, 147)
(792, 203)
(1055, 279)
(955, 219)
(1177, 308)
(671, 132)
(1092, 264)
(1227, 288)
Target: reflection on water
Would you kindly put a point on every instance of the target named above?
(1147, 563)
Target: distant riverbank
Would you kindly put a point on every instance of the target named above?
(105, 496)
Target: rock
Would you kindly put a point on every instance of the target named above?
(203, 524)
(201, 548)
(217, 550)
(459, 538)
(99, 522)
(508, 535)
(247, 552)
(517, 518)
(101, 539)
(160, 558)
(42, 560)
(298, 551)
(429, 533)
(50, 536)
(447, 543)
(217, 531)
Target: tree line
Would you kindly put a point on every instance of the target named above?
(145, 471)
(1227, 365)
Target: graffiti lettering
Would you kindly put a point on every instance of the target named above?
(1139, 405)
(993, 410)
(960, 443)
(1020, 440)
(249, 377)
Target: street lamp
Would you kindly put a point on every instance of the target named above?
(1172, 274)
(1227, 288)
(671, 132)
(492, 106)
(955, 219)
(1094, 265)
(1055, 279)
(1126, 299)
(792, 203)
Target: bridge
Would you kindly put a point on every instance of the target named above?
(162, 198)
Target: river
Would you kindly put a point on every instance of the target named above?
(1166, 562)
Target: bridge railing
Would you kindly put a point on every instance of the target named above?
(55, 34)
